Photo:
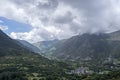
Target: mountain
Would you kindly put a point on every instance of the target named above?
(18, 63)
(48, 47)
(90, 47)
(115, 36)
(84, 47)
(98, 52)
(29, 46)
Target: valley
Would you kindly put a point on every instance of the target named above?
(82, 57)
(59, 39)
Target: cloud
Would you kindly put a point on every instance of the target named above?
(1, 21)
(98, 15)
(67, 17)
(2, 27)
(51, 19)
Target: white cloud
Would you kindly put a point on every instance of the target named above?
(2, 27)
(1, 21)
(60, 19)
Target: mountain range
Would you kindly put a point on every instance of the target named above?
(88, 50)
(18, 62)
(80, 47)
(83, 47)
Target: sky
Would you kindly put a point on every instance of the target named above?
(39, 20)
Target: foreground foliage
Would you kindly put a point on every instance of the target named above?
(33, 67)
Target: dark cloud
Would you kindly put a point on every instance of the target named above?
(63, 18)
(97, 14)
(23, 2)
(66, 18)
(76, 28)
(89, 7)
(49, 4)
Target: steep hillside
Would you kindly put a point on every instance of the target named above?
(9, 46)
(115, 36)
(29, 46)
(87, 46)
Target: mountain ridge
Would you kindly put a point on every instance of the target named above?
(10, 46)
(29, 46)
(92, 46)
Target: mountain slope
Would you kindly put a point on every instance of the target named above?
(48, 47)
(83, 47)
(9, 46)
(29, 46)
(115, 36)
(17, 62)
(89, 47)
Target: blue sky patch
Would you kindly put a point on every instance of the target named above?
(14, 26)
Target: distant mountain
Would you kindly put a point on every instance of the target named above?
(115, 36)
(44, 45)
(86, 46)
(29, 46)
(48, 47)
(90, 47)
